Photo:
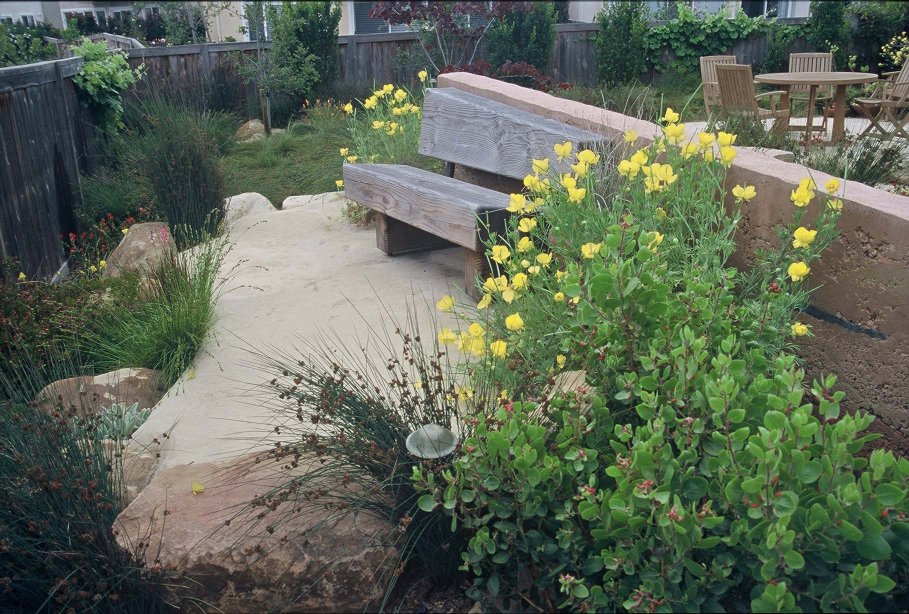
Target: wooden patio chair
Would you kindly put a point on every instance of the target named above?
(889, 101)
(812, 62)
(737, 96)
(709, 85)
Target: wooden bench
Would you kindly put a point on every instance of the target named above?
(419, 210)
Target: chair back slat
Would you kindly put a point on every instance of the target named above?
(708, 77)
(900, 87)
(736, 85)
(810, 62)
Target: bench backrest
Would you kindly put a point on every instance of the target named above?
(473, 131)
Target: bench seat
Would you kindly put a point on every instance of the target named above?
(417, 210)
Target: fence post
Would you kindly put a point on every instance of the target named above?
(204, 59)
(70, 117)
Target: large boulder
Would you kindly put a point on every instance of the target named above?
(186, 520)
(90, 393)
(142, 248)
(248, 203)
(251, 129)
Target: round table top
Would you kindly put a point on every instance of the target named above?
(816, 78)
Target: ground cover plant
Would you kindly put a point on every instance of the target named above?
(694, 468)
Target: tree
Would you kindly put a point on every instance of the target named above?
(523, 36)
(622, 42)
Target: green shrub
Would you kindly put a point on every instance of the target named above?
(121, 192)
(523, 36)
(24, 45)
(167, 328)
(622, 42)
(878, 22)
(690, 467)
(178, 151)
(101, 80)
(828, 30)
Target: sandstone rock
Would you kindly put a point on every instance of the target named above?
(248, 203)
(91, 393)
(138, 463)
(142, 248)
(779, 154)
(303, 200)
(250, 129)
(239, 566)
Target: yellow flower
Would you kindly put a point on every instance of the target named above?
(525, 263)
(352, 159)
(588, 157)
(580, 169)
(832, 185)
(674, 132)
(197, 488)
(464, 392)
(500, 253)
(670, 116)
(544, 259)
(371, 102)
(706, 139)
(576, 300)
(558, 297)
(560, 360)
(534, 204)
(661, 213)
(708, 155)
(589, 250)
(348, 108)
(630, 136)
(473, 345)
(400, 95)
(423, 75)
(576, 195)
(798, 271)
(387, 88)
(527, 224)
(799, 329)
(567, 181)
(125, 230)
(533, 270)
(562, 150)
(102, 264)
(484, 302)
(689, 150)
(560, 275)
(496, 284)
(508, 295)
(652, 184)
(498, 348)
(446, 303)
(21, 276)
(344, 151)
(807, 183)
(476, 330)
(801, 196)
(378, 93)
(727, 155)
(339, 183)
(377, 124)
(415, 109)
(446, 335)
(516, 202)
(540, 166)
(629, 169)
(514, 322)
(655, 240)
(397, 111)
(802, 237)
(524, 245)
(519, 281)
(725, 139)
(744, 193)
(835, 204)
(639, 157)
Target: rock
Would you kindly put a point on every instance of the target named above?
(250, 129)
(138, 463)
(248, 203)
(90, 393)
(142, 248)
(303, 200)
(779, 154)
(305, 564)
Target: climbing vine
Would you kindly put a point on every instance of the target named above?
(101, 81)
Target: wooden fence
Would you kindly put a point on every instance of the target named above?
(45, 142)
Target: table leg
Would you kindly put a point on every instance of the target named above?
(809, 121)
(782, 123)
(839, 113)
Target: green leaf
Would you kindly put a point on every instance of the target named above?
(580, 591)
(889, 495)
(883, 584)
(809, 472)
(785, 504)
(427, 503)
(694, 488)
(774, 420)
(873, 547)
(794, 559)
(849, 531)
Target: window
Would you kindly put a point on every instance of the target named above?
(27, 20)
(6, 20)
(123, 15)
(766, 8)
(100, 16)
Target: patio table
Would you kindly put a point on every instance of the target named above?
(785, 80)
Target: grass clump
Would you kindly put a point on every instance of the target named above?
(61, 487)
(168, 326)
(870, 161)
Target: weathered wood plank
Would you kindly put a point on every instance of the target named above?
(444, 207)
(480, 133)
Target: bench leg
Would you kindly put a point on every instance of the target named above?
(395, 237)
(475, 267)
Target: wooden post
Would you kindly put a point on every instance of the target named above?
(475, 267)
(266, 114)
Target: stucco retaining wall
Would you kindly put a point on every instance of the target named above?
(860, 314)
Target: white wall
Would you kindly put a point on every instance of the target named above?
(17, 9)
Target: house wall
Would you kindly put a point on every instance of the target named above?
(17, 9)
(228, 22)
